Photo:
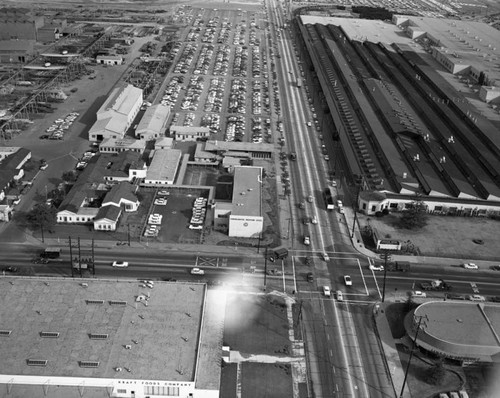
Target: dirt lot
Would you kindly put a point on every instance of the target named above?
(444, 236)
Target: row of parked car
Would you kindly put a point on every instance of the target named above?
(199, 213)
(60, 126)
(454, 394)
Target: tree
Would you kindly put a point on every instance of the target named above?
(69, 176)
(415, 217)
(436, 373)
(42, 216)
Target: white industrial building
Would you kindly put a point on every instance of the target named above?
(117, 113)
(243, 216)
(163, 167)
(98, 338)
(153, 123)
(189, 133)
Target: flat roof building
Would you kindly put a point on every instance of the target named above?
(242, 217)
(163, 167)
(153, 123)
(101, 338)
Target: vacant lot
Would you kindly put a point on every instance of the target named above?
(257, 325)
(444, 236)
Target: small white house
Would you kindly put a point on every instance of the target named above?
(110, 60)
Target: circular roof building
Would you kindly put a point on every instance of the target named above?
(465, 331)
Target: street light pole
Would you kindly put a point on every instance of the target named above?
(385, 256)
(411, 353)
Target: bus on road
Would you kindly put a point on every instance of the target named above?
(328, 194)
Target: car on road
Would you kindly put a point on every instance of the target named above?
(470, 266)
(44, 166)
(376, 268)
(310, 198)
(339, 203)
(347, 280)
(9, 269)
(454, 297)
(326, 291)
(302, 205)
(307, 240)
(197, 271)
(120, 264)
(477, 297)
(309, 124)
(418, 294)
(495, 267)
(305, 220)
(314, 220)
(327, 158)
(340, 295)
(326, 257)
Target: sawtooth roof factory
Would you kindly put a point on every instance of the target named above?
(413, 104)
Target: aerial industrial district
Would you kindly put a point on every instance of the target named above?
(264, 199)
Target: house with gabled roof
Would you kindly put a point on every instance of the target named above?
(120, 197)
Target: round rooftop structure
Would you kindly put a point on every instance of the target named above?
(464, 331)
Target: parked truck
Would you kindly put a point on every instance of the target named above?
(278, 254)
(401, 266)
(436, 284)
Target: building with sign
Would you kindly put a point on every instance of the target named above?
(242, 217)
(68, 338)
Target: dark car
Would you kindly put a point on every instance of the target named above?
(10, 269)
(454, 297)
(44, 137)
(495, 267)
(310, 277)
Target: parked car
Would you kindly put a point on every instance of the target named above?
(418, 294)
(9, 269)
(376, 268)
(120, 264)
(326, 257)
(310, 277)
(197, 271)
(326, 291)
(310, 198)
(314, 220)
(307, 240)
(477, 297)
(340, 295)
(347, 280)
(470, 266)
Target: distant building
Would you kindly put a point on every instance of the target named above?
(19, 24)
(52, 30)
(242, 217)
(13, 51)
(189, 133)
(115, 145)
(103, 338)
(153, 123)
(110, 60)
(117, 113)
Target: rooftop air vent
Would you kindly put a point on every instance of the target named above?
(94, 301)
(36, 362)
(117, 302)
(53, 335)
(88, 364)
(98, 336)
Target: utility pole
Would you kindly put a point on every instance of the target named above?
(265, 270)
(386, 257)
(128, 235)
(420, 317)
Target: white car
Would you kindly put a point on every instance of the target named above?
(326, 257)
(197, 271)
(347, 280)
(470, 266)
(196, 227)
(477, 297)
(309, 124)
(307, 240)
(418, 293)
(326, 291)
(314, 220)
(44, 166)
(339, 203)
(165, 193)
(120, 264)
(161, 202)
(376, 268)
